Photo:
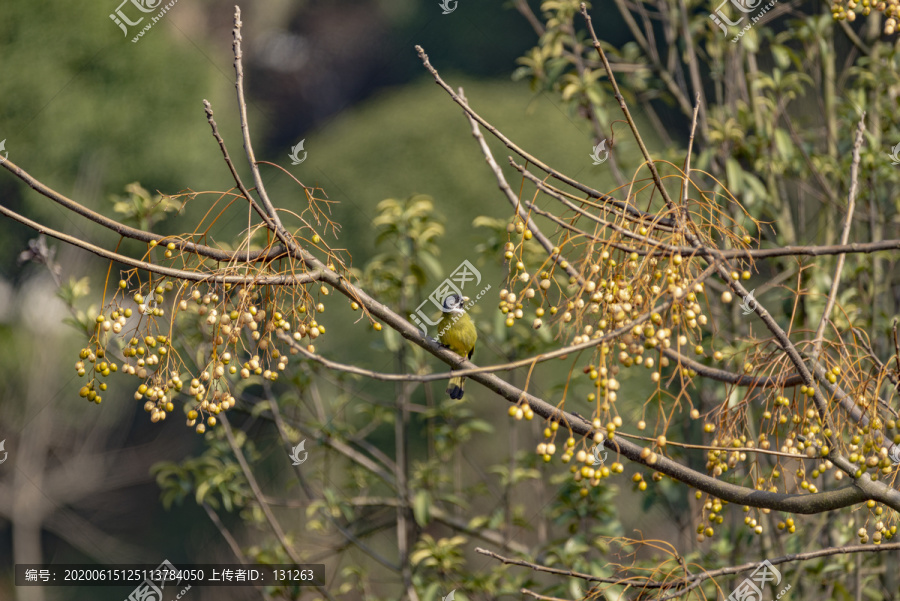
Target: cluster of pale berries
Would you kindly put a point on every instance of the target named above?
(615, 303)
(210, 390)
(842, 10)
(881, 530)
(611, 302)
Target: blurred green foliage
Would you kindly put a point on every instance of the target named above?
(107, 112)
(86, 111)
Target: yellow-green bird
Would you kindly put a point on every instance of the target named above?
(457, 332)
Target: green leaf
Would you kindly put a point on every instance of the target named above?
(259, 408)
(391, 339)
(754, 188)
(781, 56)
(783, 143)
(202, 489)
(417, 557)
(734, 171)
(421, 507)
(479, 425)
(431, 263)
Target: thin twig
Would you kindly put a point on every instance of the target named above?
(721, 375)
(680, 95)
(897, 352)
(526, 591)
(525, 11)
(232, 543)
(279, 229)
(559, 195)
(257, 493)
(513, 199)
(845, 235)
(266, 254)
(894, 378)
(234, 174)
(629, 210)
(646, 583)
(651, 165)
(693, 579)
(348, 452)
(685, 187)
(193, 276)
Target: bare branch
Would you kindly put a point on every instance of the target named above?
(558, 258)
(651, 165)
(845, 234)
(192, 276)
(629, 210)
(237, 178)
(266, 254)
(257, 493)
(696, 579)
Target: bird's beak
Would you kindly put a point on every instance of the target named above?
(466, 299)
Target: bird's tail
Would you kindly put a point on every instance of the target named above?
(455, 387)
